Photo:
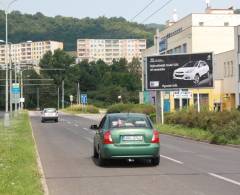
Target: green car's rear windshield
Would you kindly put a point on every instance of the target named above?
(117, 122)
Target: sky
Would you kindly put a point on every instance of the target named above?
(116, 8)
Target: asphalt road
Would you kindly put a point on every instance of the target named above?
(186, 167)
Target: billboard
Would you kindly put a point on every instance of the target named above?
(179, 71)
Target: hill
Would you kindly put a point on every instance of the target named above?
(23, 27)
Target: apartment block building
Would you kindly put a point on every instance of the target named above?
(109, 49)
(27, 52)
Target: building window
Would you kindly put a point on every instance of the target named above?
(226, 23)
(201, 23)
(225, 69)
(239, 72)
(238, 43)
(184, 48)
(231, 68)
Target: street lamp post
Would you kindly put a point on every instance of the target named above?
(6, 115)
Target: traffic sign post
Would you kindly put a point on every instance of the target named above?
(84, 99)
(71, 99)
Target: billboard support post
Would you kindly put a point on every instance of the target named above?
(158, 106)
(180, 99)
(198, 102)
(162, 106)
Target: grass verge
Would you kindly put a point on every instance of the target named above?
(179, 130)
(193, 133)
(79, 109)
(18, 165)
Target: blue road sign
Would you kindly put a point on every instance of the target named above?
(15, 88)
(83, 98)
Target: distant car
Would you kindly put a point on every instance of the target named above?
(192, 71)
(49, 114)
(126, 136)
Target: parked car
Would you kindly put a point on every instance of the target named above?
(49, 114)
(192, 71)
(126, 136)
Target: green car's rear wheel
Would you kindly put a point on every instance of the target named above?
(155, 161)
(101, 161)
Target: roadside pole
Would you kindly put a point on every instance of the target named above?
(38, 99)
(198, 101)
(162, 106)
(180, 99)
(58, 98)
(62, 94)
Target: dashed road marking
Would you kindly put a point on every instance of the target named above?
(171, 159)
(225, 179)
(76, 125)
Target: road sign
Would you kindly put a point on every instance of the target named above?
(15, 88)
(182, 94)
(180, 71)
(15, 98)
(22, 100)
(83, 98)
(71, 98)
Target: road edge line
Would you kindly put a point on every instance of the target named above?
(225, 179)
(39, 163)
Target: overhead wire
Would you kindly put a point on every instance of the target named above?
(163, 6)
(141, 11)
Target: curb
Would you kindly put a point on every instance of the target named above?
(39, 163)
(201, 141)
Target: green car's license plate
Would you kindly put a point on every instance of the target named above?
(132, 138)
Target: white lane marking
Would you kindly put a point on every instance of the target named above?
(171, 159)
(68, 122)
(76, 125)
(225, 179)
(85, 129)
(88, 139)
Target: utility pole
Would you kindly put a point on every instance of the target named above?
(10, 80)
(62, 94)
(58, 98)
(38, 99)
(78, 93)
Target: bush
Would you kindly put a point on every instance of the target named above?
(224, 126)
(135, 108)
(80, 109)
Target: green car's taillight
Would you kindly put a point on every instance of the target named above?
(107, 138)
(155, 138)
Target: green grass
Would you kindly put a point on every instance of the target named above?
(194, 133)
(18, 166)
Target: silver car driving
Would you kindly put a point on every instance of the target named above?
(49, 114)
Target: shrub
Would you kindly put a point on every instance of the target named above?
(224, 126)
(135, 108)
(81, 109)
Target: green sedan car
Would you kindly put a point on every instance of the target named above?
(126, 136)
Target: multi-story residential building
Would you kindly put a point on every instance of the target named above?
(109, 49)
(28, 52)
(212, 31)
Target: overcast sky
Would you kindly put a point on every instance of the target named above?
(123, 8)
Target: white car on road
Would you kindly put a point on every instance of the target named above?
(192, 71)
(49, 114)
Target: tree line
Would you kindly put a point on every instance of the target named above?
(102, 82)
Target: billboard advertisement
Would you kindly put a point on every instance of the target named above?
(179, 71)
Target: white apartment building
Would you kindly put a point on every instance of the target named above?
(28, 52)
(212, 31)
(109, 49)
